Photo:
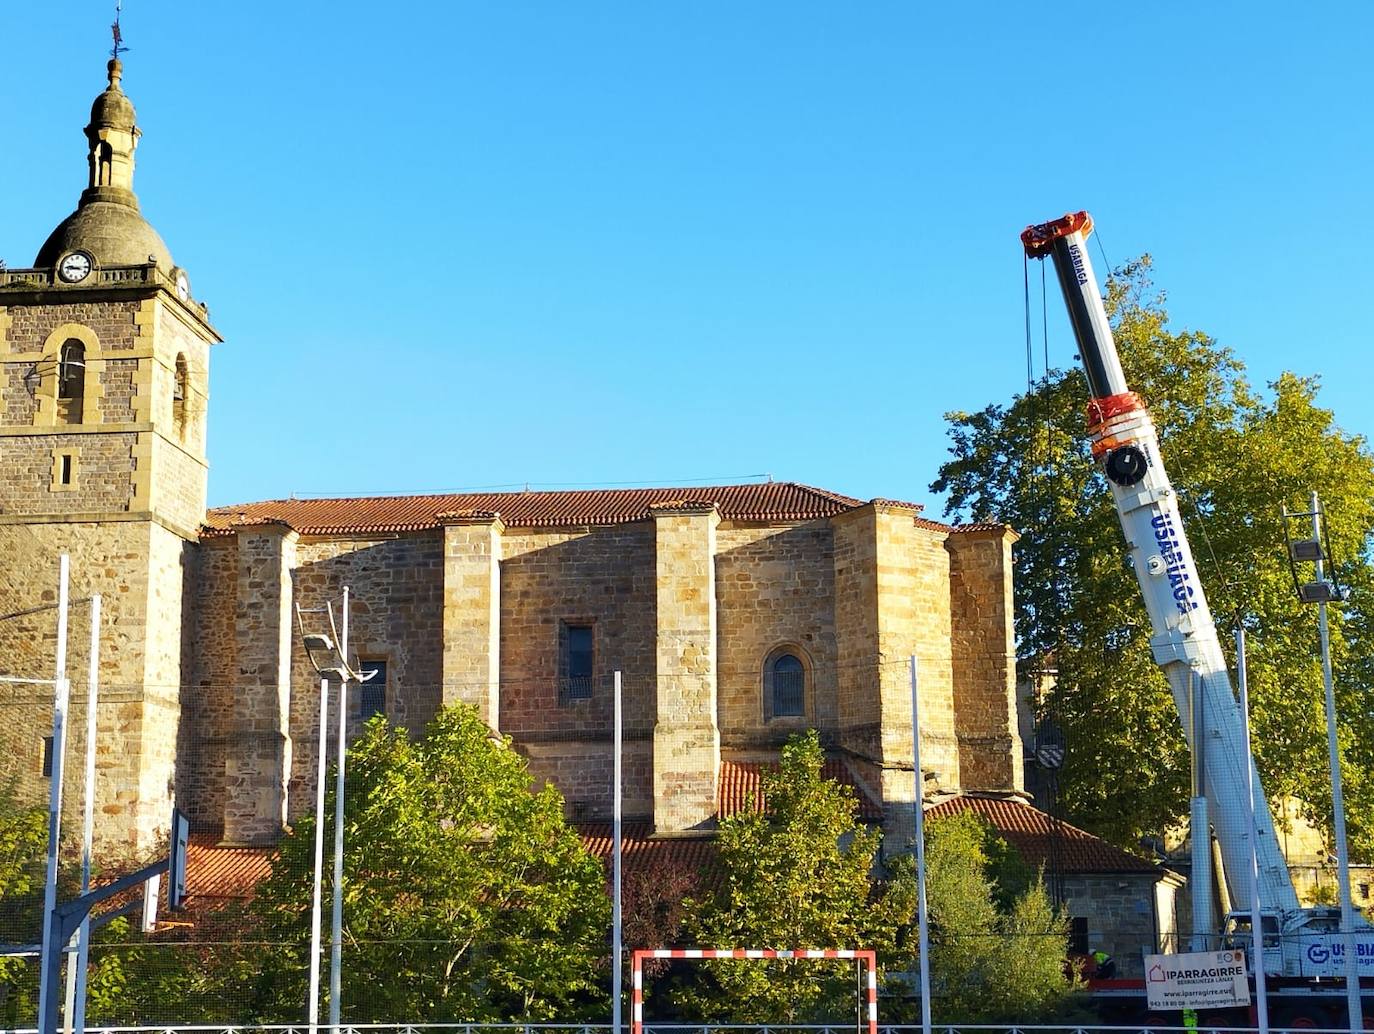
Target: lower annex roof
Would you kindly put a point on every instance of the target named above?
(1041, 840)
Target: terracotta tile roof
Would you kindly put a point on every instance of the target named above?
(771, 501)
(738, 779)
(641, 852)
(215, 874)
(1041, 840)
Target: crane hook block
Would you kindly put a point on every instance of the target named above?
(1038, 238)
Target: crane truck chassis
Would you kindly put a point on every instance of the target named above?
(1303, 948)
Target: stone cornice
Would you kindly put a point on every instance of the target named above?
(471, 518)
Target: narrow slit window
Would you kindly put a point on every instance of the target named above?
(64, 474)
(577, 663)
(179, 379)
(47, 757)
(372, 698)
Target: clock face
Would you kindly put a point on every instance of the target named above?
(183, 286)
(75, 267)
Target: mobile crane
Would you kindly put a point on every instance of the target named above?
(1303, 947)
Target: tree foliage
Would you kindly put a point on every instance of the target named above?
(23, 839)
(797, 874)
(131, 979)
(1236, 456)
(466, 896)
(997, 952)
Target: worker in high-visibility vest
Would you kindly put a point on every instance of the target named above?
(1104, 966)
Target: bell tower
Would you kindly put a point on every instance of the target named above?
(104, 373)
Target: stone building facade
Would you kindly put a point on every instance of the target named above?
(695, 601)
(736, 615)
(104, 359)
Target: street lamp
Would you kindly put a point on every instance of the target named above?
(328, 655)
(1321, 591)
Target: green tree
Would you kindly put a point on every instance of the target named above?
(1236, 456)
(797, 874)
(467, 897)
(989, 963)
(23, 839)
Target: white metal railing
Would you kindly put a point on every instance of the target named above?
(661, 1028)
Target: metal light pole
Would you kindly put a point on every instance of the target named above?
(1256, 920)
(77, 1018)
(1322, 591)
(336, 648)
(616, 946)
(61, 699)
(919, 807)
(1352, 977)
(336, 922)
(319, 858)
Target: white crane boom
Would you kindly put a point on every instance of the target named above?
(1126, 446)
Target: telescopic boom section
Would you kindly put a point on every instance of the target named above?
(1125, 445)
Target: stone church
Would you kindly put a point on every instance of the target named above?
(737, 614)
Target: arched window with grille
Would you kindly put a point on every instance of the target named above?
(784, 685)
(71, 381)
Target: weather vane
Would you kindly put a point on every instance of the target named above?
(118, 47)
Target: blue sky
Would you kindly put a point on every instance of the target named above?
(464, 244)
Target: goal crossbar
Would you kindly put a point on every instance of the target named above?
(864, 956)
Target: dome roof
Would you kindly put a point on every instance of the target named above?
(112, 109)
(107, 222)
(115, 235)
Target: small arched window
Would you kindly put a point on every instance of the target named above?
(179, 383)
(71, 380)
(786, 686)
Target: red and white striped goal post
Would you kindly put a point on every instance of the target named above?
(863, 955)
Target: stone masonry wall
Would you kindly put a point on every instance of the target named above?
(209, 700)
(113, 560)
(892, 600)
(583, 770)
(774, 587)
(100, 483)
(174, 453)
(686, 737)
(856, 632)
(396, 588)
(1120, 910)
(603, 577)
(914, 617)
(31, 325)
(258, 756)
(984, 658)
(24, 333)
(472, 614)
(170, 573)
